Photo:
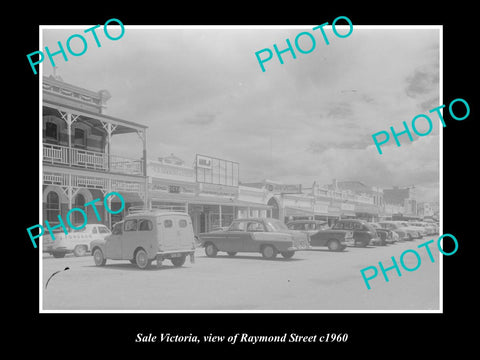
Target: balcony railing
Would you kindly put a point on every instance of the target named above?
(87, 159)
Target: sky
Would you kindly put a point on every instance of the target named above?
(311, 119)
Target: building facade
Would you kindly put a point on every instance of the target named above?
(78, 165)
(211, 195)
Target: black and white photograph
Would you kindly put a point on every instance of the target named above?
(248, 183)
(255, 190)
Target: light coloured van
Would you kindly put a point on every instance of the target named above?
(148, 236)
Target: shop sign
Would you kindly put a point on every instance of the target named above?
(284, 188)
(220, 190)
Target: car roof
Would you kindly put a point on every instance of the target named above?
(353, 220)
(307, 222)
(254, 219)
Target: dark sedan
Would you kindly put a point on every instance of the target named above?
(321, 235)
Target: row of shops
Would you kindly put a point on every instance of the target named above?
(79, 166)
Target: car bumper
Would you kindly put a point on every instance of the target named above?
(175, 254)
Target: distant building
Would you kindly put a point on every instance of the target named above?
(396, 196)
(402, 197)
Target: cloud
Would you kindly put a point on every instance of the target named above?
(202, 91)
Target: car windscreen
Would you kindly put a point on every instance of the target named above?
(275, 225)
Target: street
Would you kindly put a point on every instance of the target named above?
(315, 279)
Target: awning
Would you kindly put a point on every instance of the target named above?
(205, 200)
(290, 211)
(128, 197)
(347, 213)
(366, 208)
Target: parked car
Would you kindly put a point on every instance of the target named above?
(76, 241)
(429, 228)
(421, 232)
(403, 232)
(320, 234)
(363, 232)
(264, 235)
(386, 236)
(144, 237)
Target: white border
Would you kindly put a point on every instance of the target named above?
(40, 243)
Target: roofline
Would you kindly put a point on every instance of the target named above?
(93, 115)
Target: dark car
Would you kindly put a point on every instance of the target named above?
(264, 235)
(385, 235)
(321, 235)
(363, 232)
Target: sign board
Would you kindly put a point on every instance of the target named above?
(212, 170)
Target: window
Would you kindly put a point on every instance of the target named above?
(348, 226)
(338, 226)
(94, 230)
(130, 225)
(182, 223)
(103, 230)
(78, 217)
(359, 226)
(168, 223)
(51, 131)
(117, 229)
(238, 226)
(255, 226)
(79, 138)
(52, 207)
(145, 225)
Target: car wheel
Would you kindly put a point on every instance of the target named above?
(410, 237)
(288, 254)
(141, 258)
(333, 245)
(210, 250)
(98, 257)
(58, 255)
(231, 253)
(80, 250)
(178, 261)
(269, 252)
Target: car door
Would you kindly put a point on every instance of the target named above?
(319, 237)
(129, 238)
(168, 233)
(236, 238)
(113, 243)
(248, 242)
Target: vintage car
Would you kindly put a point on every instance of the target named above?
(264, 235)
(386, 236)
(363, 232)
(320, 234)
(429, 227)
(144, 237)
(405, 233)
(421, 231)
(76, 241)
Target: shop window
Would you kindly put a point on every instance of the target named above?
(51, 131)
(77, 215)
(53, 207)
(79, 138)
